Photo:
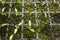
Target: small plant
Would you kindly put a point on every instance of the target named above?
(15, 30)
(3, 1)
(5, 24)
(30, 27)
(41, 7)
(45, 19)
(29, 8)
(54, 7)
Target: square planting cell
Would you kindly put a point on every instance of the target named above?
(4, 8)
(29, 16)
(41, 7)
(28, 33)
(55, 18)
(54, 7)
(29, 7)
(42, 18)
(17, 6)
(56, 31)
(15, 18)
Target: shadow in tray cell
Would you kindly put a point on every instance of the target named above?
(41, 7)
(28, 16)
(55, 18)
(29, 8)
(18, 6)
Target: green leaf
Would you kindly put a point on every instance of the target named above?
(11, 37)
(16, 14)
(3, 14)
(20, 23)
(3, 2)
(15, 30)
(45, 14)
(16, 10)
(5, 24)
(32, 30)
(30, 23)
(43, 3)
(17, 26)
(3, 9)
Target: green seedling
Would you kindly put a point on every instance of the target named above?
(54, 1)
(41, 7)
(3, 2)
(30, 27)
(29, 8)
(44, 36)
(3, 9)
(11, 37)
(5, 24)
(45, 14)
(54, 7)
(43, 3)
(30, 23)
(15, 30)
(16, 12)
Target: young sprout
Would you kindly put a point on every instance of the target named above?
(3, 9)
(30, 23)
(15, 30)
(17, 26)
(20, 23)
(16, 12)
(45, 14)
(3, 1)
(11, 37)
(43, 3)
(54, 1)
(5, 24)
(32, 30)
(30, 27)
